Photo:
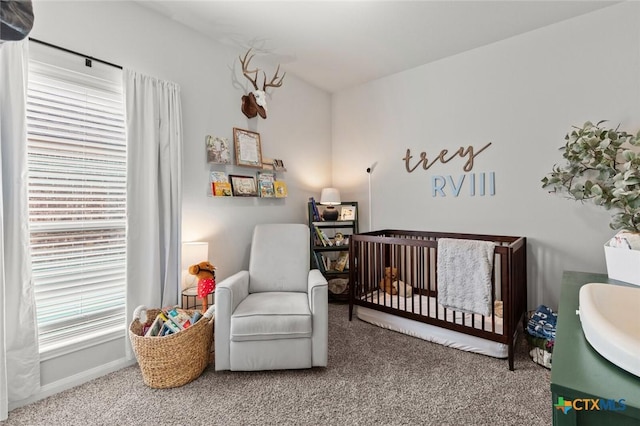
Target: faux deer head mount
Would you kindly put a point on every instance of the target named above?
(255, 103)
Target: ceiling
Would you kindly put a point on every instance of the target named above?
(336, 45)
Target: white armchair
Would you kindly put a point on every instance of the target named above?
(275, 315)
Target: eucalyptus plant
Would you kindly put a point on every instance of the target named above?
(603, 166)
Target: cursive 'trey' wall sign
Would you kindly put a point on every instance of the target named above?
(478, 184)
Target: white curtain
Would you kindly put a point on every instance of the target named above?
(19, 357)
(154, 176)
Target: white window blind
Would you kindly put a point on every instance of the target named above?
(77, 199)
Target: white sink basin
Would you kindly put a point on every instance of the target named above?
(610, 317)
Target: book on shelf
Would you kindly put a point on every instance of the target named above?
(319, 235)
(266, 189)
(324, 262)
(325, 238)
(319, 262)
(314, 210)
(222, 189)
(265, 184)
(328, 263)
(343, 261)
(217, 177)
(280, 188)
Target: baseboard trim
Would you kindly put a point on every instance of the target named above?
(73, 381)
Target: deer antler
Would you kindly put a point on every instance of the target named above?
(274, 81)
(254, 103)
(247, 72)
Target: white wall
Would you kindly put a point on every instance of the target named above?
(522, 95)
(297, 130)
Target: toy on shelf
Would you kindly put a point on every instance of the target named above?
(205, 272)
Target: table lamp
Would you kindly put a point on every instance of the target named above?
(192, 253)
(330, 197)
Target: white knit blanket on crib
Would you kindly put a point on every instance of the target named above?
(464, 274)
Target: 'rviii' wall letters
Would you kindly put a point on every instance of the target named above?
(480, 184)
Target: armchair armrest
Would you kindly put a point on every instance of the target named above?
(317, 284)
(319, 305)
(229, 293)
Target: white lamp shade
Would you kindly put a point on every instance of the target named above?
(330, 197)
(192, 253)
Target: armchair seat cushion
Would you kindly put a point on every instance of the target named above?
(271, 316)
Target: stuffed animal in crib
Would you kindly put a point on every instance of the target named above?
(390, 274)
(205, 272)
(404, 289)
(497, 308)
(392, 285)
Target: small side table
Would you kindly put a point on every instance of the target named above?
(190, 299)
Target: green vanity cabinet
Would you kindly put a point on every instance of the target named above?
(580, 376)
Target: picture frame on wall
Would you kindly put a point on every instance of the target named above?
(218, 151)
(243, 186)
(248, 148)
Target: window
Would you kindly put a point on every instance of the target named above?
(77, 198)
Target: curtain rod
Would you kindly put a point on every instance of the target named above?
(87, 58)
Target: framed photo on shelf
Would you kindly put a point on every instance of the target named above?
(248, 148)
(243, 186)
(217, 150)
(348, 213)
(278, 165)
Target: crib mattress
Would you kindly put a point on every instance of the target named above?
(443, 336)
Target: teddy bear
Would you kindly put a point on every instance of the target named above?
(498, 308)
(392, 285)
(206, 275)
(385, 284)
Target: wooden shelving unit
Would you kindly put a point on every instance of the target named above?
(329, 255)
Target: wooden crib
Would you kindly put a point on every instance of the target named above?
(414, 254)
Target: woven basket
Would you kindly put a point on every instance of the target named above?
(172, 360)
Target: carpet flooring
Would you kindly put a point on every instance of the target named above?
(375, 376)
